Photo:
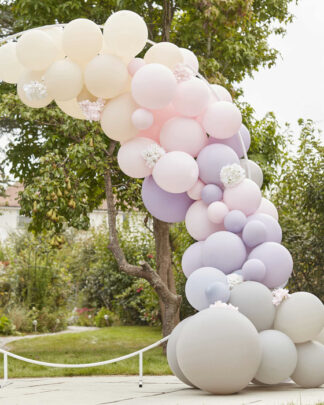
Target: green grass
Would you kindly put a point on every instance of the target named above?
(88, 347)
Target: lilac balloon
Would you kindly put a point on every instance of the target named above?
(254, 233)
(234, 221)
(211, 193)
(273, 229)
(192, 258)
(253, 270)
(211, 159)
(217, 291)
(234, 142)
(167, 207)
(277, 260)
(225, 251)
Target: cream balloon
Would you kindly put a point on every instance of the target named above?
(36, 50)
(10, 67)
(82, 40)
(71, 108)
(164, 53)
(254, 169)
(126, 33)
(29, 78)
(63, 80)
(56, 33)
(86, 95)
(106, 76)
(116, 118)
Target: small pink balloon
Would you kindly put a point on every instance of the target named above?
(217, 211)
(176, 172)
(197, 223)
(245, 197)
(130, 158)
(134, 65)
(191, 97)
(195, 192)
(222, 119)
(267, 207)
(153, 86)
(219, 93)
(142, 119)
(184, 134)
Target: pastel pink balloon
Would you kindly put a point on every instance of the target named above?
(130, 158)
(191, 97)
(176, 172)
(134, 65)
(217, 211)
(267, 207)
(197, 223)
(142, 119)
(222, 119)
(153, 86)
(245, 197)
(195, 192)
(184, 134)
(190, 59)
(219, 93)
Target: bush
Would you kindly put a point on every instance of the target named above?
(6, 327)
(100, 320)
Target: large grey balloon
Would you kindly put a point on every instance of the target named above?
(172, 354)
(219, 350)
(254, 300)
(309, 372)
(301, 317)
(279, 357)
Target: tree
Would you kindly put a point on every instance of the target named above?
(68, 166)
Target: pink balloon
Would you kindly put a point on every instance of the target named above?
(176, 172)
(217, 211)
(190, 59)
(197, 223)
(153, 86)
(130, 158)
(134, 65)
(142, 119)
(245, 197)
(191, 97)
(195, 192)
(222, 94)
(266, 207)
(222, 120)
(184, 134)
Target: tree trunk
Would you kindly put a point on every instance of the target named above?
(167, 19)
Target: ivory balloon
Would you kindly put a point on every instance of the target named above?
(106, 76)
(219, 93)
(190, 59)
(36, 50)
(116, 118)
(56, 33)
(86, 95)
(164, 53)
(245, 197)
(191, 97)
(222, 120)
(71, 108)
(266, 207)
(82, 40)
(63, 80)
(10, 67)
(255, 171)
(196, 189)
(26, 79)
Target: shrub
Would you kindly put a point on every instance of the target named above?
(6, 327)
(101, 321)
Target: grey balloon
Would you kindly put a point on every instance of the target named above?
(172, 354)
(217, 291)
(254, 300)
(278, 359)
(309, 372)
(219, 350)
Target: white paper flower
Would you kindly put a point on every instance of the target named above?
(35, 90)
(234, 279)
(152, 154)
(182, 73)
(232, 175)
(92, 109)
(279, 295)
(221, 304)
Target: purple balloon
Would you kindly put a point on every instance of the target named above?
(225, 251)
(211, 159)
(234, 142)
(277, 260)
(273, 229)
(211, 193)
(217, 291)
(192, 258)
(253, 270)
(234, 221)
(254, 233)
(167, 207)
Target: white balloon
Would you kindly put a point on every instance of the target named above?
(190, 59)
(222, 94)
(255, 171)
(10, 67)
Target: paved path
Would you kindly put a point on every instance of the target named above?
(156, 390)
(70, 329)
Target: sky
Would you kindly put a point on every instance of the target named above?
(294, 87)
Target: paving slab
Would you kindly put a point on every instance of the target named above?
(156, 390)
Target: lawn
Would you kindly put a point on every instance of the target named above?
(88, 347)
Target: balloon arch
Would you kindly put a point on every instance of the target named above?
(185, 137)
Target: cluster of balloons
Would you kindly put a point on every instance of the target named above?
(186, 139)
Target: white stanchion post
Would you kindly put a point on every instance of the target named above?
(5, 368)
(140, 359)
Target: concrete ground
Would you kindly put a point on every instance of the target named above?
(156, 390)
